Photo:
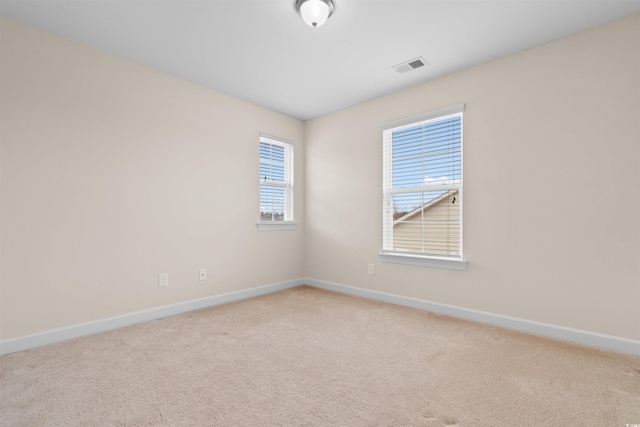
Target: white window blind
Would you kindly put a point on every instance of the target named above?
(422, 185)
(276, 179)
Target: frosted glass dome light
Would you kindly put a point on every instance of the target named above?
(314, 12)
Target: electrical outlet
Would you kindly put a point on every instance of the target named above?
(371, 269)
(163, 280)
(203, 274)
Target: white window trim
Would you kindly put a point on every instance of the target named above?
(277, 226)
(280, 225)
(425, 260)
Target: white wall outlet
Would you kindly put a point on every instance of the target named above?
(203, 274)
(163, 280)
(371, 269)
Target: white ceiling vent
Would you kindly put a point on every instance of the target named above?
(411, 64)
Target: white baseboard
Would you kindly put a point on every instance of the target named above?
(607, 342)
(76, 331)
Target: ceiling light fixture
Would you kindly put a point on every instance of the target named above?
(314, 12)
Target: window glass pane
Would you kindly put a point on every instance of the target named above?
(277, 153)
(277, 172)
(427, 154)
(272, 202)
(427, 222)
(272, 164)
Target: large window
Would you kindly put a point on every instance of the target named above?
(276, 180)
(422, 189)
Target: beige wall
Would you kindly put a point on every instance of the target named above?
(112, 173)
(552, 136)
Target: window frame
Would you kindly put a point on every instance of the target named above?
(454, 262)
(288, 222)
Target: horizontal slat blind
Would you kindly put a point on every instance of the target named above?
(276, 180)
(422, 186)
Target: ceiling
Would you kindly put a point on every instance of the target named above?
(262, 52)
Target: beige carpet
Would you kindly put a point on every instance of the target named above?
(308, 357)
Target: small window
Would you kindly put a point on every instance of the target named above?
(276, 180)
(422, 188)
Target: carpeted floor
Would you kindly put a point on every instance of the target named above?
(308, 357)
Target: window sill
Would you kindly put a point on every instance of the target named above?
(424, 261)
(276, 226)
